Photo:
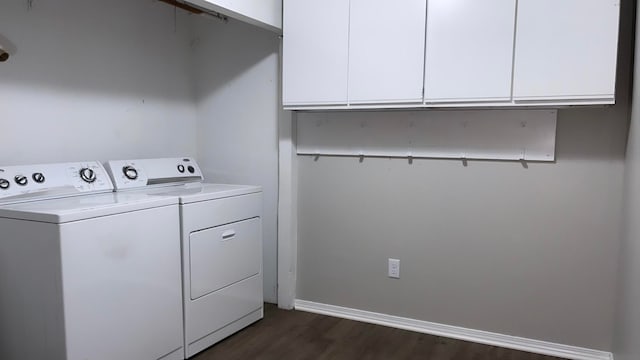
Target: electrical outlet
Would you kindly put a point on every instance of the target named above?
(394, 268)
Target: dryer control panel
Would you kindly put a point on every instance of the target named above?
(140, 173)
(22, 183)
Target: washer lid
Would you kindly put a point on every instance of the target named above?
(195, 192)
(76, 208)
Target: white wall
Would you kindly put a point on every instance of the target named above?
(493, 246)
(95, 80)
(236, 72)
(627, 344)
(100, 80)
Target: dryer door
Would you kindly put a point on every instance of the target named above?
(224, 255)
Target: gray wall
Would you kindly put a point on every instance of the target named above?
(627, 339)
(236, 86)
(95, 80)
(493, 246)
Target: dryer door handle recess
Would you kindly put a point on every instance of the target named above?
(228, 235)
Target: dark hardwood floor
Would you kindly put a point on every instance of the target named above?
(284, 335)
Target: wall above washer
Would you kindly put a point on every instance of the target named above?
(91, 80)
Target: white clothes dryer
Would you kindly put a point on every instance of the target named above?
(221, 245)
(86, 273)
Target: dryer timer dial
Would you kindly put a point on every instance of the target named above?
(130, 172)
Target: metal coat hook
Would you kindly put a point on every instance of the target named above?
(410, 158)
(523, 159)
(218, 16)
(463, 157)
(7, 48)
(361, 157)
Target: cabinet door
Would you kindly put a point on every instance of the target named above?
(315, 52)
(566, 49)
(469, 53)
(386, 51)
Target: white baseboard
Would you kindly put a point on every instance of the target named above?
(455, 332)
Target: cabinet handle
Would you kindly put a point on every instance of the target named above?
(228, 235)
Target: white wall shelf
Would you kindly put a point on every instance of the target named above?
(520, 135)
(266, 14)
(510, 105)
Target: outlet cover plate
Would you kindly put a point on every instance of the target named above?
(394, 268)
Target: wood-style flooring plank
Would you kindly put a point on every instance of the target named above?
(297, 335)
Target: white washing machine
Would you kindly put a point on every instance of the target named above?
(221, 245)
(86, 273)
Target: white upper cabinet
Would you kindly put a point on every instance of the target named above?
(566, 50)
(342, 54)
(386, 51)
(469, 55)
(315, 52)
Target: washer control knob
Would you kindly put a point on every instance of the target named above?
(87, 175)
(4, 184)
(181, 168)
(38, 177)
(130, 172)
(191, 169)
(21, 180)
